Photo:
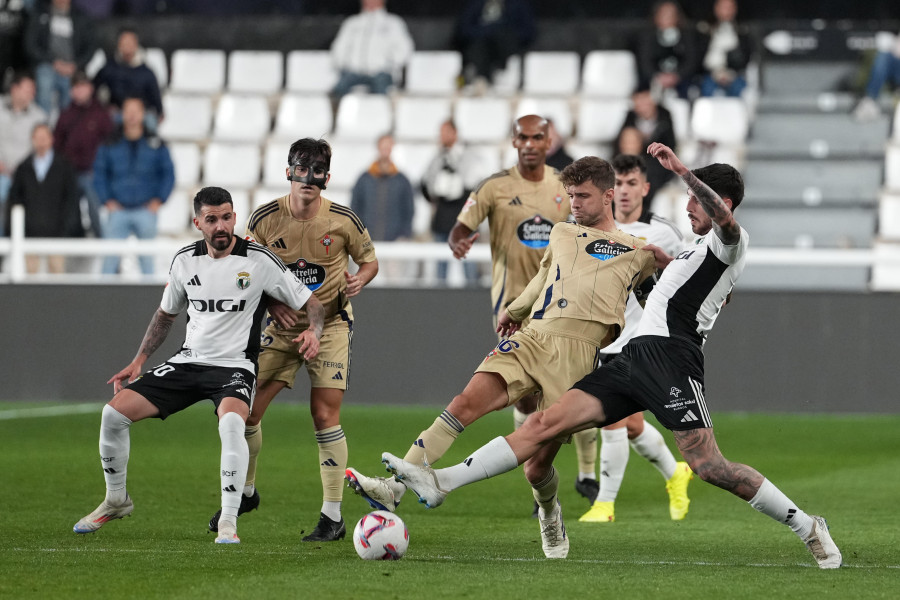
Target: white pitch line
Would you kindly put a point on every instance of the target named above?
(50, 411)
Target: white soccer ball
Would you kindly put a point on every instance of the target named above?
(380, 535)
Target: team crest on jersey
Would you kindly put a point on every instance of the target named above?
(534, 232)
(558, 200)
(326, 241)
(310, 274)
(243, 280)
(606, 249)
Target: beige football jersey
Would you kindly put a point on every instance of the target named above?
(315, 250)
(585, 278)
(520, 214)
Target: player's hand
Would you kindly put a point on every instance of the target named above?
(662, 259)
(284, 315)
(354, 284)
(506, 326)
(309, 344)
(666, 157)
(462, 247)
(125, 376)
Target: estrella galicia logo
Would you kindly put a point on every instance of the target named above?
(310, 274)
(243, 280)
(606, 249)
(535, 232)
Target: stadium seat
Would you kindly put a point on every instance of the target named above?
(348, 161)
(363, 117)
(413, 159)
(240, 200)
(483, 120)
(433, 72)
(338, 195)
(310, 71)
(187, 117)
(255, 72)
(264, 194)
(721, 120)
(488, 159)
(186, 158)
(420, 119)
(242, 118)
(198, 71)
(889, 216)
(275, 162)
(231, 165)
(892, 167)
(174, 216)
(155, 59)
(302, 115)
(551, 73)
(609, 73)
(558, 109)
(599, 121)
(98, 60)
(579, 149)
(508, 80)
(681, 116)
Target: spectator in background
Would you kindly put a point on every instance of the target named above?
(446, 185)
(729, 49)
(133, 176)
(488, 32)
(885, 67)
(370, 49)
(80, 130)
(45, 184)
(125, 75)
(58, 42)
(18, 116)
(557, 157)
(667, 52)
(654, 124)
(383, 197)
(13, 15)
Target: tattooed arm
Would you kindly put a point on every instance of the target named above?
(727, 229)
(156, 334)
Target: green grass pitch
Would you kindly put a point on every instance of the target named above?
(481, 543)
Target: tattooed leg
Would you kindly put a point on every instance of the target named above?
(699, 448)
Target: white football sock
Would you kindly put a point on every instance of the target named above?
(651, 445)
(235, 457)
(769, 500)
(115, 444)
(492, 459)
(332, 510)
(613, 460)
(518, 418)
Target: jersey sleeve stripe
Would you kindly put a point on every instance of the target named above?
(346, 212)
(265, 251)
(262, 212)
(189, 248)
(482, 183)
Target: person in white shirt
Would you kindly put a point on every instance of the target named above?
(370, 49)
(220, 281)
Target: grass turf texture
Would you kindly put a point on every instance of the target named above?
(480, 544)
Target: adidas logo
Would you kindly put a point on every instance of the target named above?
(419, 443)
(515, 202)
(790, 515)
(195, 280)
(690, 416)
(338, 376)
(330, 463)
(230, 488)
(109, 470)
(468, 462)
(279, 243)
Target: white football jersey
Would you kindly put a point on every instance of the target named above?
(692, 290)
(654, 230)
(222, 298)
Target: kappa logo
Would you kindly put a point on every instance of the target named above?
(279, 243)
(195, 280)
(689, 417)
(515, 202)
(675, 392)
(338, 376)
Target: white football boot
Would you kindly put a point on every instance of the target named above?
(554, 540)
(381, 493)
(420, 479)
(103, 514)
(822, 546)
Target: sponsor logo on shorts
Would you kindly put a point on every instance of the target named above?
(674, 392)
(243, 280)
(338, 376)
(332, 365)
(606, 249)
(310, 274)
(534, 232)
(689, 417)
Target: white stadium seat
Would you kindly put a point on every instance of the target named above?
(413, 159)
(275, 157)
(551, 73)
(187, 117)
(231, 165)
(303, 115)
(363, 117)
(508, 80)
(242, 118)
(255, 71)
(264, 194)
(97, 62)
(488, 160)
(186, 158)
(892, 168)
(174, 216)
(722, 120)
(579, 150)
(609, 73)
(240, 200)
(155, 59)
(310, 71)
(599, 121)
(348, 161)
(557, 109)
(433, 72)
(483, 120)
(420, 119)
(198, 71)
(681, 116)
(338, 195)
(889, 216)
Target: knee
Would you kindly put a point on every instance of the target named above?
(534, 472)
(464, 409)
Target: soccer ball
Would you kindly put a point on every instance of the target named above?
(380, 535)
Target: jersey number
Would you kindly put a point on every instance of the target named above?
(162, 370)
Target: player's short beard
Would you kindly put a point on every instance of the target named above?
(220, 243)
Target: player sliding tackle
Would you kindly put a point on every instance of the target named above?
(578, 300)
(660, 370)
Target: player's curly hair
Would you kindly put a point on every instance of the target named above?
(211, 196)
(626, 163)
(724, 180)
(310, 149)
(590, 168)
